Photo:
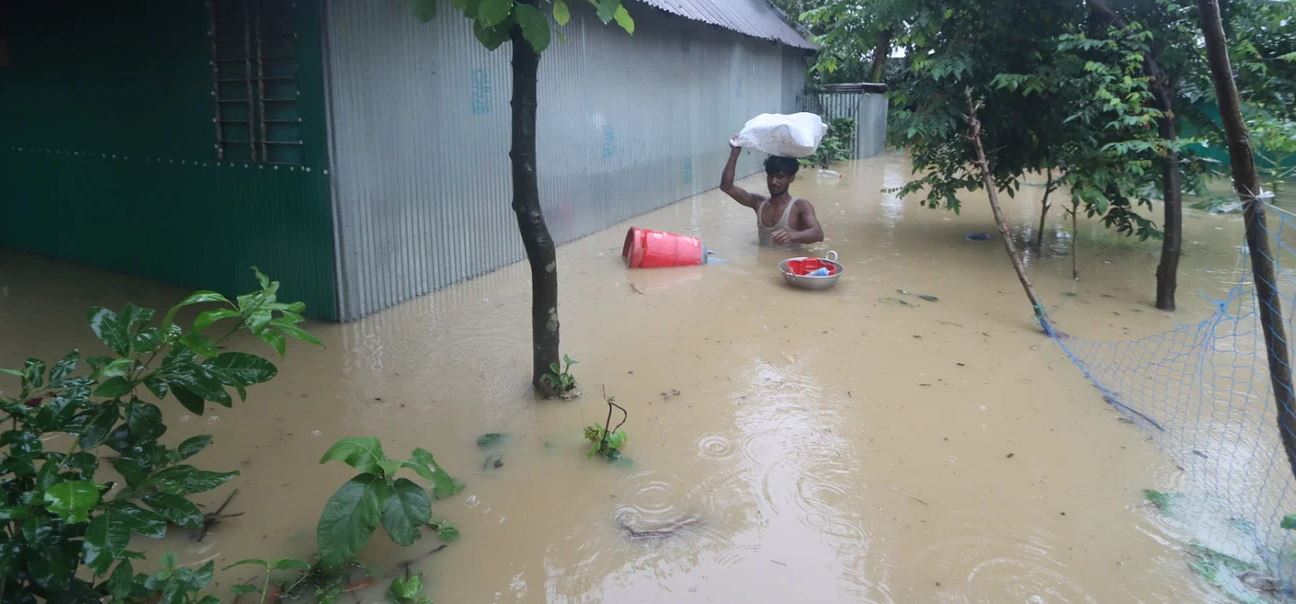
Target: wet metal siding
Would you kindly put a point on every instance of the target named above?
(757, 18)
(420, 135)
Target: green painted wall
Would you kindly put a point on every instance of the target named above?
(107, 152)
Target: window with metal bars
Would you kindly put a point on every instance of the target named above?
(254, 81)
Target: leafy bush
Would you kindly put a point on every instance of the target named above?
(66, 533)
(836, 145)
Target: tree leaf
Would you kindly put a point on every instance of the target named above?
(535, 27)
(113, 388)
(607, 10)
(287, 328)
(97, 425)
(199, 343)
(244, 589)
(491, 37)
(405, 589)
(241, 368)
(108, 329)
(627, 23)
(1289, 521)
(443, 484)
(405, 511)
(424, 10)
(193, 445)
(72, 500)
(493, 12)
(190, 401)
(349, 519)
(561, 12)
(185, 480)
(447, 532)
(64, 367)
(122, 581)
(144, 420)
(360, 452)
(207, 318)
(176, 509)
(104, 542)
(289, 564)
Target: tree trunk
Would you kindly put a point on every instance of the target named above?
(1075, 234)
(1172, 231)
(881, 52)
(531, 223)
(974, 127)
(1246, 181)
(1044, 208)
(1171, 187)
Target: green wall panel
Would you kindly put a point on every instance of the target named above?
(107, 152)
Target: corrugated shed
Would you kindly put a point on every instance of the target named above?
(420, 135)
(865, 103)
(756, 18)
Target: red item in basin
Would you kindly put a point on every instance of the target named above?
(803, 267)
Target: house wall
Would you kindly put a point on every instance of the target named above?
(108, 157)
(420, 134)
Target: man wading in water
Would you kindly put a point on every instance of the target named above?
(781, 221)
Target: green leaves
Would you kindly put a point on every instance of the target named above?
(241, 369)
(424, 10)
(1289, 521)
(405, 510)
(109, 533)
(535, 27)
(376, 495)
(561, 12)
(187, 480)
(64, 531)
(493, 12)
(72, 500)
(349, 519)
(364, 453)
(408, 590)
(623, 18)
(494, 19)
(426, 466)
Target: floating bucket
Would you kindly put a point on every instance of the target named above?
(646, 248)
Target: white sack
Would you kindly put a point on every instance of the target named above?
(796, 135)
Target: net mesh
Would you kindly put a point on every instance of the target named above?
(1203, 393)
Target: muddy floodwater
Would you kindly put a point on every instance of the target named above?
(860, 444)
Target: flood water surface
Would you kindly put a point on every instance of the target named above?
(859, 444)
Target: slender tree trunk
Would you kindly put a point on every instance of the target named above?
(1044, 208)
(1172, 194)
(881, 52)
(1246, 181)
(1171, 188)
(539, 244)
(1075, 234)
(974, 127)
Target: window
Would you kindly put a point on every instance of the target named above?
(254, 81)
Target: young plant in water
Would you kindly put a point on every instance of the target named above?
(67, 529)
(559, 381)
(606, 442)
(376, 495)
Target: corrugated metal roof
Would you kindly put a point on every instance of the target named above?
(756, 18)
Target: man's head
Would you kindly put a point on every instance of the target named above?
(779, 174)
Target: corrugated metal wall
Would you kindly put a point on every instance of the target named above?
(107, 153)
(869, 109)
(420, 128)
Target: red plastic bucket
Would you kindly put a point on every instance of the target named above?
(646, 248)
